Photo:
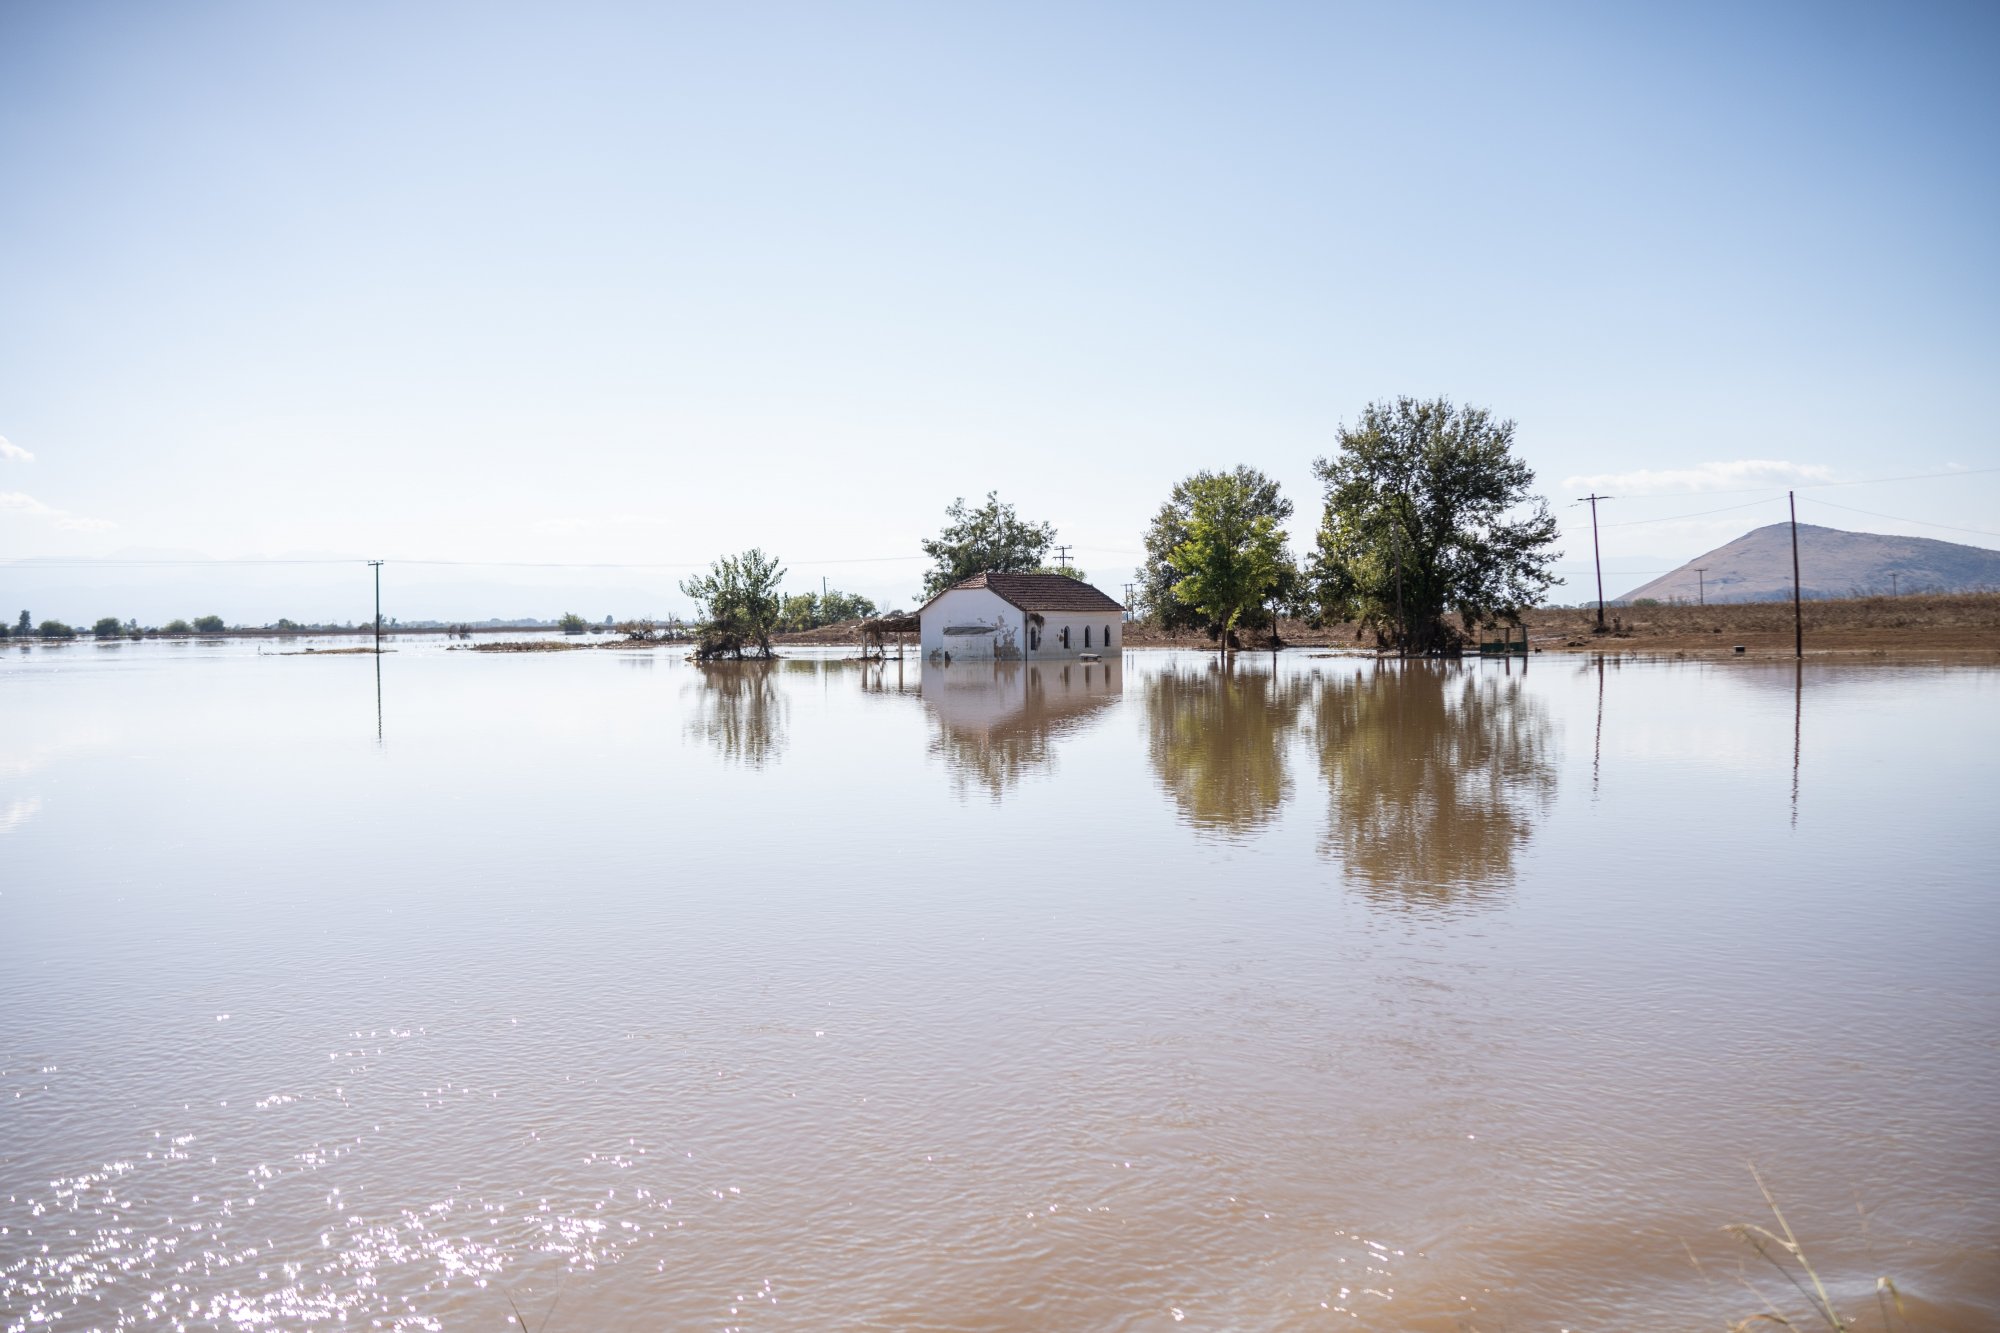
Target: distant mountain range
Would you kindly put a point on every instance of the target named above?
(1757, 567)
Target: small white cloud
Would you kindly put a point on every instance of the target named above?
(20, 502)
(1740, 474)
(11, 452)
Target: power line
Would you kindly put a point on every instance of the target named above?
(1636, 522)
(1817, 485)
(30, 562)
(653, 564)
(1897, 518)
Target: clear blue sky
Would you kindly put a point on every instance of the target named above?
(589, 282)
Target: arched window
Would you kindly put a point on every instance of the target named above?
(1065, 636)
(1107, 636)
(1086, 636)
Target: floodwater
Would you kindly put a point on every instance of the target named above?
(1313, 993)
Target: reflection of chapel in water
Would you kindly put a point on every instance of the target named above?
(998, 721)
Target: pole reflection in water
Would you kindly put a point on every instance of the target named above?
(378, 697)
(1799, 715)
(1597, 739)
(1217, 736)
(997, 722)
(1435, 777)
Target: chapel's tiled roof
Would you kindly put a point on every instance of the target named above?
(1039, 592)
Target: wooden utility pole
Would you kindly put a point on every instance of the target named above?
(1701, 586)
(1798, 615)
(1062, 556)
(378, 604)
(1597, 558)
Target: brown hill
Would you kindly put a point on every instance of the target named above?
(1757, 567)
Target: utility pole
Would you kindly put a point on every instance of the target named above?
(1892, 583)
(1798, 615)
(378, 604)
(1128, 601)
(1595, 555)
(1062, 556)
(1701, 586)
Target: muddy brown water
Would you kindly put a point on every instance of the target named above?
(1314, 993)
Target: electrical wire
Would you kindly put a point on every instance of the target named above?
(1637, 522)
(1818, 485)
(1897, 518)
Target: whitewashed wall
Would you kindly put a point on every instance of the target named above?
(980, 606)
(970, 606)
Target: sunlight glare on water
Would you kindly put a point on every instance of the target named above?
(1310, 992)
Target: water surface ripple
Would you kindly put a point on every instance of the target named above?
(1301, 993)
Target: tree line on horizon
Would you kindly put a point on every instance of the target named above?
(108, 627)
(1429, 531)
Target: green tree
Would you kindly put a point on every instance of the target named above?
(24, 626)
(572, 623)
(1424, 518)
(806, 610)
(55, 629)
(1154, 598)
(837, 606)
(109, 627)
(989, 538)
(1232, 561)
(800, 611)
(209, 625)
(740, 604)
(177, 627)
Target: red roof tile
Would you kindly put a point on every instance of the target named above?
(1038, 592)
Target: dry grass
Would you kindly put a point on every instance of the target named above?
(1782, 1251)
(1956, 614)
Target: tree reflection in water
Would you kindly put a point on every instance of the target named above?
(1434, 777)
(999, 721)
(739, 709)
(1217, 735)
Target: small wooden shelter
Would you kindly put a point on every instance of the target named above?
(878, 631)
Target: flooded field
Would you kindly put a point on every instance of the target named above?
(1313, 993)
